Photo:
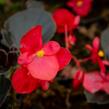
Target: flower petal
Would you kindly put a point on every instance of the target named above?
(96, 43)
(92, 82)
(78, 79)
(77, 20)
(44, 68)
(106, 84)
(106, 87)
(51, 48)
(25, 59)
(102, 67)
(83, 9)
(23, 82)
(106, 62)
(72, 39)
(64, 57)
(88, 47)
(44, 85)
(63, 17)
(70, 3)
(32, 40)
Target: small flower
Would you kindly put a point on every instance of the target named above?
(97, 81)
(81, 7)
(70, 41)
(96, 53)
(62, 18)
(94, 82)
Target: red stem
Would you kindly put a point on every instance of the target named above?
(66, 35)
(76, 61)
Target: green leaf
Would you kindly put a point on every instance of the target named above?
(4, 89)
(2, 2)
(18, 24)
(105, 41)
(98, 98)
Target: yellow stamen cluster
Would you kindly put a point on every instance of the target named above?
(101, 53)
(79, 3)
(40, 53)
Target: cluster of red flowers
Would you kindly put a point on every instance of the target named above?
(97, 80)
(40, 63)
(66, 21)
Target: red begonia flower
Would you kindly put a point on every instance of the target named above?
(96, 54)
(63, 57)
(23, 82)
(64, 18)
(33, 42)
(78, 79)
(81, 7)
(93, 82)
(42, 61)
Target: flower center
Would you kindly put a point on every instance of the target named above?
(79, 3)
(101, 53)
(40, 53)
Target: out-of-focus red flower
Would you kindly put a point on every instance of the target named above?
(96, 53)
(70, 40)
(23, 82)
(94, 82)
(81, 7)
(97, 81)
(78, 79)
(64, 18)
(42, 61)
